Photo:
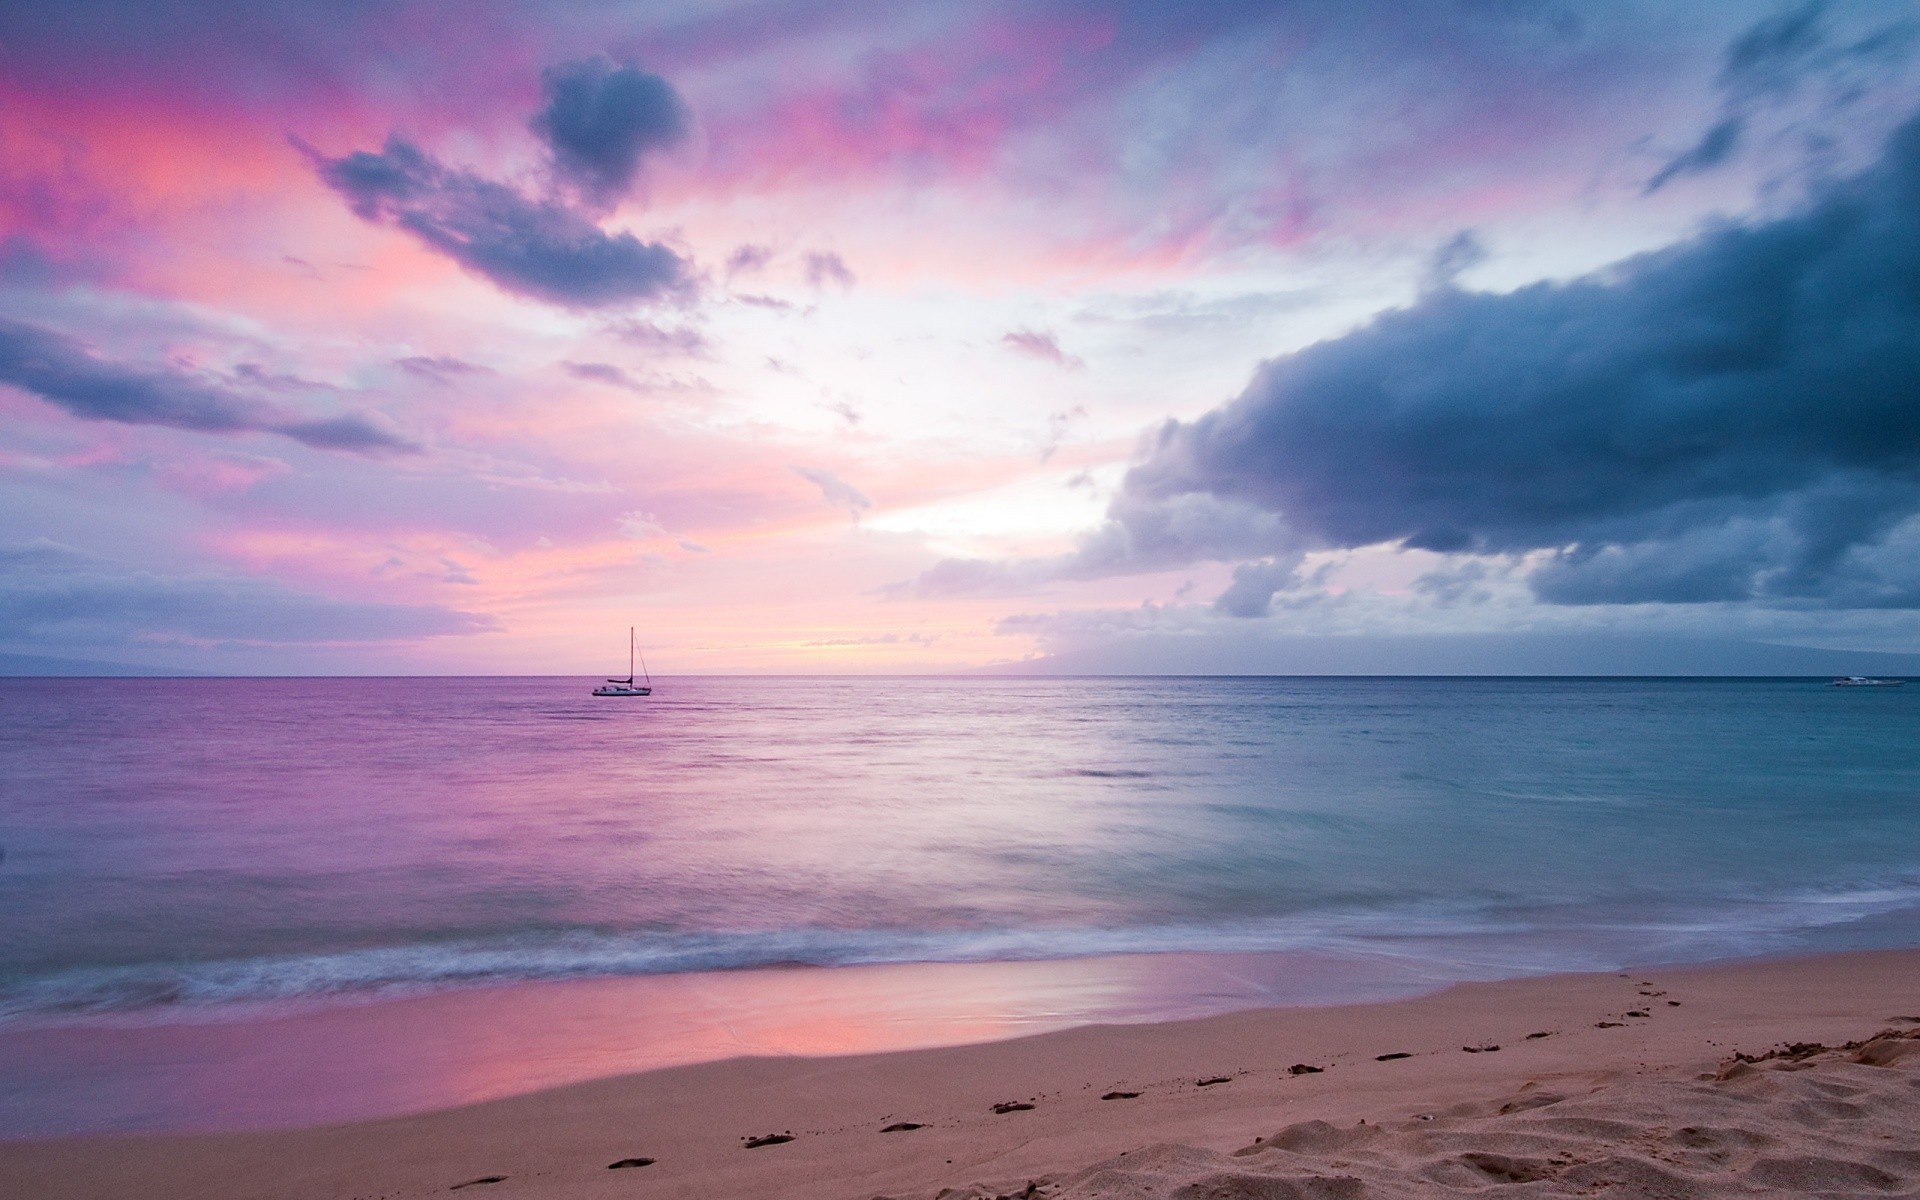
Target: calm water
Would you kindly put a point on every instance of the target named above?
(176, 849)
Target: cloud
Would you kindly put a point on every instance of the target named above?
(1730, 419)
(72, 377)
(1251, 592)
(826, 269)
(440, 368)
(601, 119)
(1044, 346)
(1460, 253)
(538, 248)
(975, 577)
(1139, 537)
(600, 372)
(837, 491)
(748, 259)
(255, 375)
(684, 341)
(1771, 65)
(641, 526)
(53, 593)
(772, 303)
(1058, 423)
(884, 639)
(1714, 147)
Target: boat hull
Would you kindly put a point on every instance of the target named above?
(623, 691)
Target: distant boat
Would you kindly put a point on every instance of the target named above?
(627, 687)
(1865, 681)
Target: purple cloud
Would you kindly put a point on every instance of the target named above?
(50, 593)
(541, 249)
(440, 368)
(601, 119)
(70, 376)
(826, 269)
(607, 373)
(683, 341)
(1041, 345)
(837, 491)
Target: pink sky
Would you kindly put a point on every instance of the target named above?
(936, 270)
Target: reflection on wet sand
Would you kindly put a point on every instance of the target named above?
(455, 1048)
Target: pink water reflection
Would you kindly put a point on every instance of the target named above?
(455, 1048)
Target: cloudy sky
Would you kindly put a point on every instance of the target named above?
(852, 336)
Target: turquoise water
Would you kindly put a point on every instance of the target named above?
(175, 849)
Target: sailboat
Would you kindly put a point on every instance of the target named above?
(627, 686)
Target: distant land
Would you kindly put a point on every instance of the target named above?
(1461, 654)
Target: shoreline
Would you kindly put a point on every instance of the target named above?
(324, 1062)
(691, 1120)
(395, 1056)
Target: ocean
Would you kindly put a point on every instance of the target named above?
(200, 851)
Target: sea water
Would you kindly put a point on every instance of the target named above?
(205, 849)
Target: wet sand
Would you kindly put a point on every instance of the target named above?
(1566, 1085)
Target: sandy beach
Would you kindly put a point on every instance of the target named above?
(1627, 1084)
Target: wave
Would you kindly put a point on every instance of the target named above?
(1446, 941)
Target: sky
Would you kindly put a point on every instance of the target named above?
(896, 337)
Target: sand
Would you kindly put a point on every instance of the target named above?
(1628, 1085)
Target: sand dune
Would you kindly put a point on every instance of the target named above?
(1797, 1077)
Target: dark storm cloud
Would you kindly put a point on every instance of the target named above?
(68, 375)
(601, 119)
(1734, 418)
(51, 593)
(537, 248)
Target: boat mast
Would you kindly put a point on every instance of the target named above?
(629, 656)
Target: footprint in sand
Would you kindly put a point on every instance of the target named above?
(903, 1127)
(1489, 1048)
(629, 1162)
(1211, 1080)
(477, 1182)
(767, 1139)
(1607, 1025)
(1121, 1096)
(1391, 1057)
(1012, 1106)
(1638, 1012)
(1304, 1069)
(1536, 1036)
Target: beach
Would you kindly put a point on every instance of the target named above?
(392, 938)
(1273, 601)
(1634, 1083)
